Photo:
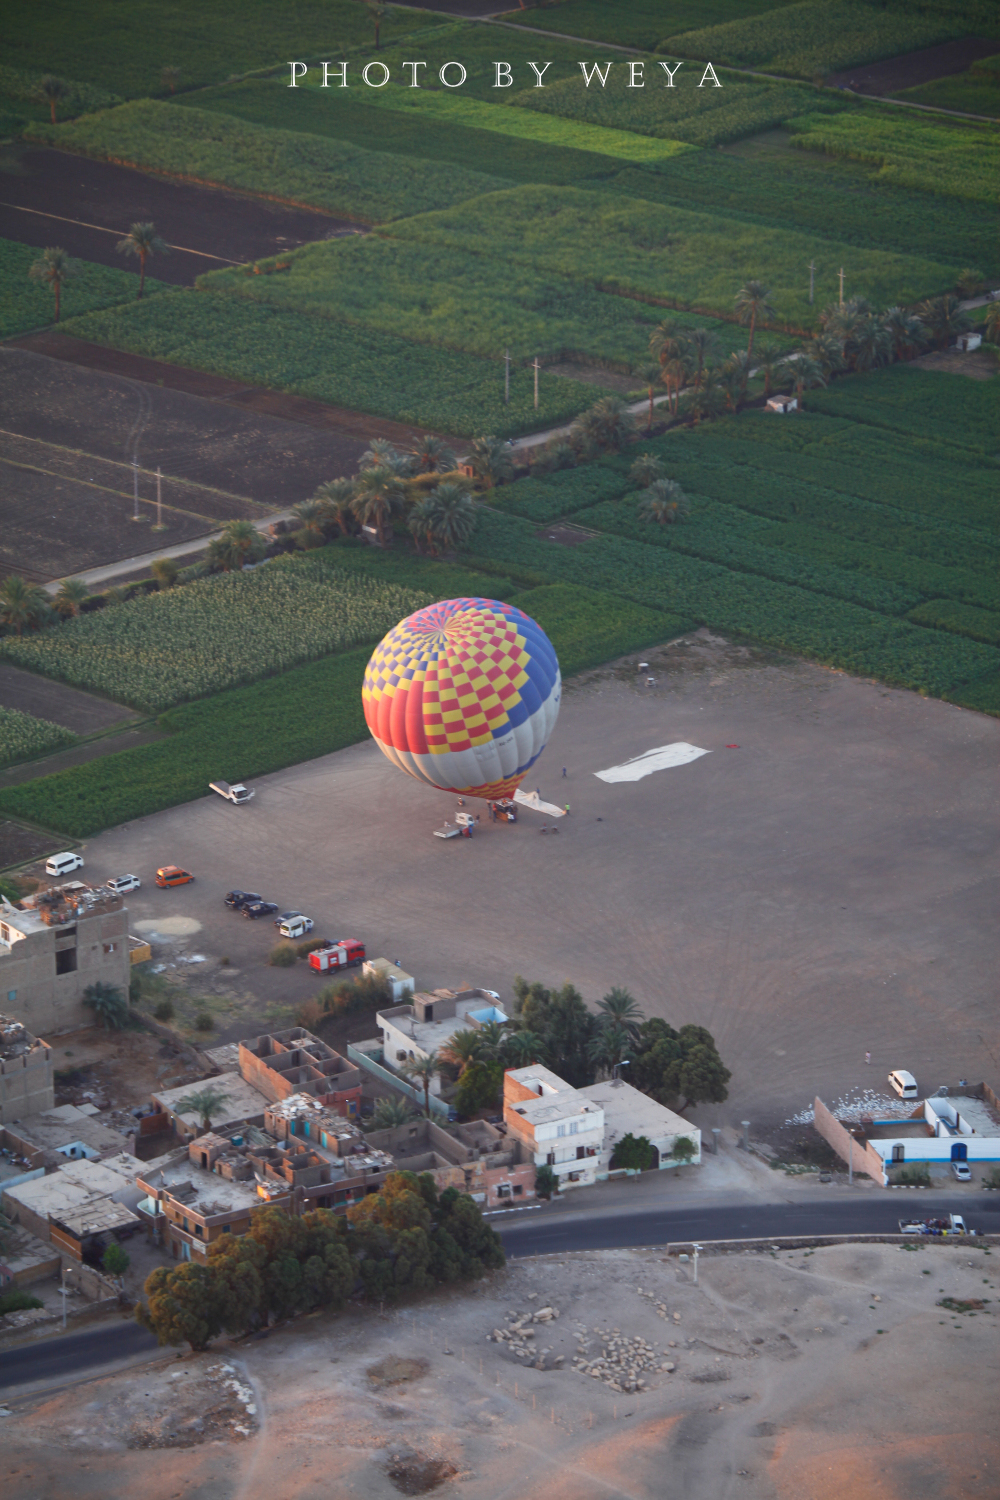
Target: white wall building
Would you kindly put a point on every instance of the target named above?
(627, 1111)
(423, 1028)
(560, 1125)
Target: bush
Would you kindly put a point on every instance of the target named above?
(916, 1176)
(350, 997)
(164, 1010)
(684, 1149)
(282, 956)
(303, 950)
(546, 1182)
(633, 1152)
(311, 1015)
(204, 1022)
(115, 1261)
(16, 1300)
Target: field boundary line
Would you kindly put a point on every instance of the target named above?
(82, 224)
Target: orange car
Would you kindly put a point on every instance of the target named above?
(173, 875)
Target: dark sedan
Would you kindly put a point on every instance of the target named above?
(254, 909)
(286, 916)
(238, 899)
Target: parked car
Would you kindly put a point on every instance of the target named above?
(122, 883)
(296, 927)
(286, 916)
(173, 875)
(62, 864)
(254, 909)
(904, 1083)
(961, 1171)
(238, 899)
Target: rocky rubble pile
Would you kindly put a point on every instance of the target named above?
(519, 1337)
(623, 1363)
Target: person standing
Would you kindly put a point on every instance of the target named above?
(868, 1057)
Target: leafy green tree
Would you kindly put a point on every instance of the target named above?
(171, 77)
(165, 571)
(753, 306)
(565, 1025)
(490, 461)
(679, 1068)
(109, 1005)
(379, 495)
(183, 1305)
(423, 1070)
(53, 90)
(461, 1230)
(664, 502)
(646, 470)
(392, 1112)
(70, 595)
(479, 1087)
(115, 1260)
(237, 1263)
(142, 241)
(546, 1182)
(238, 543)
(54, 267)
(206, 1102)
(684, 1149)
(634, 1152)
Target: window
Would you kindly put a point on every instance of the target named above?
(227, 1229)
(518, 1190)
(4, 933)
(899, 1153)
(560, 1130)
(551, 1159)
(198, 1230)
(110, 948)
(66, 961)
(11, 996)
(574, 1126)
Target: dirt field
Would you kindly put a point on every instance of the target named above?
(799, 1376)
(823, 890)
(53, 197)
(977, 365)
(914, 68)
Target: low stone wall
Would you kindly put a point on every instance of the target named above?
(861, 1157)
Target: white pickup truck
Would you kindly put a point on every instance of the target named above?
(947, 1224)
(237, 794)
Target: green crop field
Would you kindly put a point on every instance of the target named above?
(336, 177)
(589, 628)
(26, 304)
(818, 37)
(668, 254)
(363, 370)
(23, 737)
(963, 413)
(948, 157)
(123, 45)
(162, 649)
(640, 23)
(967, 93)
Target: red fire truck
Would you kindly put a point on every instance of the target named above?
(346, 953)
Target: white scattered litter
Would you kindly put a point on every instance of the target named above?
(191, 958)
(661, 759)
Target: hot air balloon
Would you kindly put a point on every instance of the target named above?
(464, 695)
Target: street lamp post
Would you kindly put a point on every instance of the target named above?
(623, 1064)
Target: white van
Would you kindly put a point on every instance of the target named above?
(62, 864)
(295, 927)
(904, 1083)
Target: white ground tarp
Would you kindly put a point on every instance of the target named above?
(661, 759)
(532, 800)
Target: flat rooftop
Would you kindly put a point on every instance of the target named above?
(430, 1035)
(241, 1100)
(64, 1124)
(627, 1109)
(210, 1193)
(76, 1185)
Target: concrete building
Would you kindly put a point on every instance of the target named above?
(560, 1126)
(400, 983)
(283, 1063)
(25, 1072)
(241, 1104)
(476, 1159)
(423, 1028)
(55, 944)
(65, 1130)
(305, 1118)
(628, 1111)
(954, 1128)
(81, 1200)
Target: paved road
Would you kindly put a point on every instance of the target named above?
(60, 1358)
(559, 1230)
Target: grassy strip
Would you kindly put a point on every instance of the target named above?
(22, 736)
(963, 619)
(353, 116)
(589, 628)
(27, 304)
(368, 186)
(365, 370)
(21, 96)
(551, 130)
(950, 157)
(832, 197)
(672, 255)
(124, 44)
(819, 37)
(914, 402)
(641, 23)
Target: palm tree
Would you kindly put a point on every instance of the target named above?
(491, 1037)
(390, 1113)
(907, 335)
(664, 502)
(651, 375)
(870, 345)
(646, 470)
(108, 1004)
(238, 543)
(993, 323)
(944, 317)
(432, 455)
(171, 76)
(608, 424)
(382, 454)
(335, 498)
(71, 594)
(524, 1048)
(54, 267)
(734, 378)
(675, 375)
(423, 1070)
(490, 461)
(701, 346)
(752, 303)
(23, 605)
(54, 89)
(769, 358)
(705, 400)
(969, 283)
(206, 1102)
(376, 9)
(609, 1046)
(665, 342)
(621, 1009)
(461, 1049)
(164, 570)
(379, 494)
(827, 351)
(311, 513)
(453, 516)
(807, 375)
(143, 241)
(420, 523)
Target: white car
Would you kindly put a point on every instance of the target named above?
(961, 1172)
(295, 927)
(904, 1083)
(122, 883)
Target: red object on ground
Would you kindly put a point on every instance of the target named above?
(732, 747)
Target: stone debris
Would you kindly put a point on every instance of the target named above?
(518, 1336)
(623, 1363)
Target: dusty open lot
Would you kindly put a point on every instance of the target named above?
(913, 68)
(799, 1376)
(819, 885)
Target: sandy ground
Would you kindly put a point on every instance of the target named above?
(822, 891)
(796, 1376)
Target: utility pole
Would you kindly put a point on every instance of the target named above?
(812, 273)
(135, 487)
(841, 286)
(159, 500)
(536, 382)
(506, 377)
(696, 1248)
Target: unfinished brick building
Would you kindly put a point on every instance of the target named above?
(476, 1158)
(283, 1063)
